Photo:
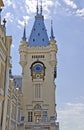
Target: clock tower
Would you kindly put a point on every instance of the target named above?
(38, 61)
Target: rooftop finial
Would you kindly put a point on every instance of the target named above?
(24, 33)
(37, 7)
(10, 74)
(52, 34)
(4, 23)
(41, 8)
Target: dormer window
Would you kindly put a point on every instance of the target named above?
(43, 39)
(33, 40)
(38, 34)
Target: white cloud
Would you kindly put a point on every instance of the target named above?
(7, 2)
(46, 8)
(71, 3)
(9, 17)
(21, 23)
(71, 116)
(12, 46)
(80, 12)
(26, 18)
(31, 6)
(46, 4)
(27, 8)
(14, 6)
(57, 4)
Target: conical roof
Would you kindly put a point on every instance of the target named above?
(38, 36)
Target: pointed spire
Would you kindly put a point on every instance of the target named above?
(24, 33)
(41, 8)
(4, 23)
(52, 34)
(37, 8)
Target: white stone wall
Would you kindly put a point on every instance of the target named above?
(46, 55)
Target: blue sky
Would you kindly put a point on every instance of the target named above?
(68, 24)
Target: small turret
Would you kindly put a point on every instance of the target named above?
(23, 49)
(53, 47)
(52, 38)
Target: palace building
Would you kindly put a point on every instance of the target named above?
(5, 43)
(28, 102)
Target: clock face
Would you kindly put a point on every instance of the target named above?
(38, 68)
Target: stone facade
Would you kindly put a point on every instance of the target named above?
(38, 88)
(13, 107)
(5, 43)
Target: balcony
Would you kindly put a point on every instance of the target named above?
(37, 124)
(42, 124)
(54, 124)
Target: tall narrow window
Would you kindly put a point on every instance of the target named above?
(44, 116)
(18, 114)
(30, 114)
(37, 91)
(2, 76)
(37, 128)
